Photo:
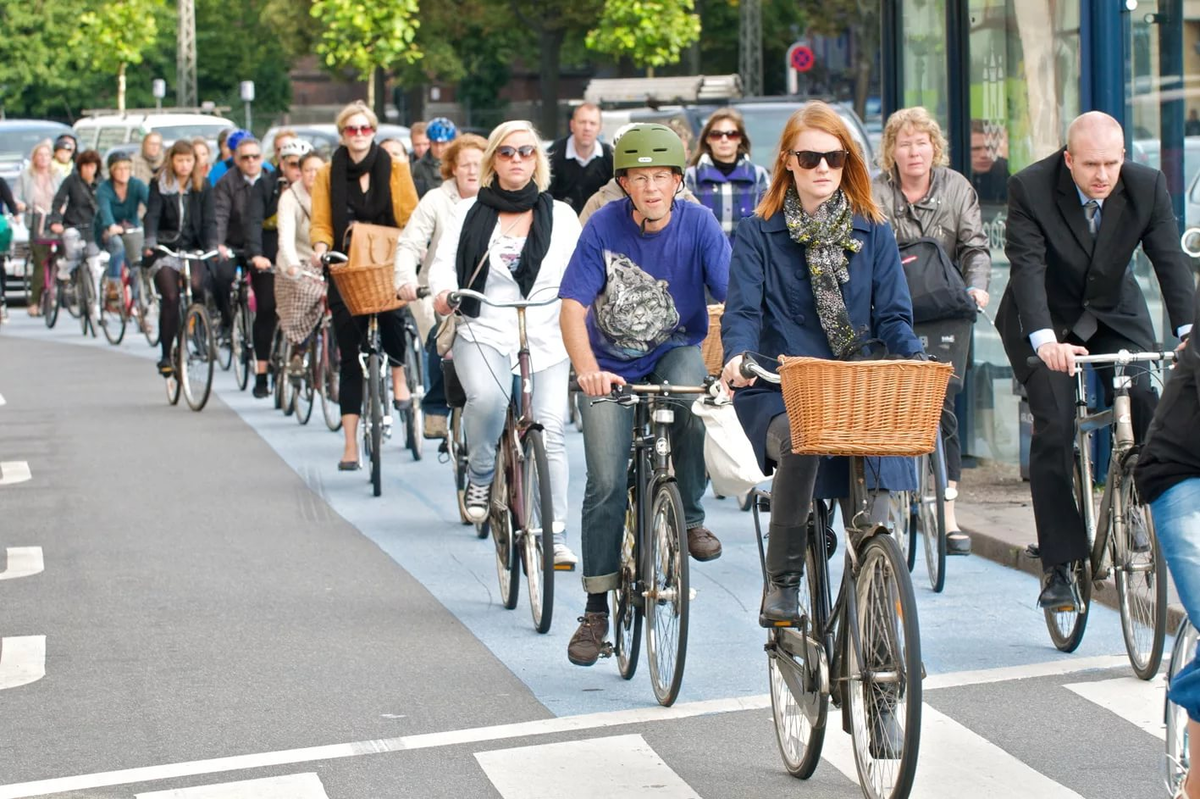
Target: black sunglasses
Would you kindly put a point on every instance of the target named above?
(810, 159)
(507, 153)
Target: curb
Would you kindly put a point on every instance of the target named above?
(1007, 554)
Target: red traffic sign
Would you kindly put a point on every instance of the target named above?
(801, 57)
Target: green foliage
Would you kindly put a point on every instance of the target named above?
(364, 36)
(651, 33)
(226, 56)
(118, 34)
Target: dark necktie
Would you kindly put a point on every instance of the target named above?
(1085, 327)
(1092, 209)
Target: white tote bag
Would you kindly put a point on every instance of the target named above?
(728, 455)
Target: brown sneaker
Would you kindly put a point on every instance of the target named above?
(702, 544)
(587, 644)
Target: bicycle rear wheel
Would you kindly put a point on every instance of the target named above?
(667, 595)
(373, 434)
(174, 382)
(537, 511)
(1140, 579)
(327, 381)
(1177, 759)
(883, 663)
(277, 369)
(86, 292)
(197, 357)
(626, 614)
(51, 302)
(800, 715)
(242, 351)
(306, 381)
(504, 533)
(931, 494)
(148, 305)
(1066, 625)
(112, 310)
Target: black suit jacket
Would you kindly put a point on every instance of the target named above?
(1057, 270)
(575, 184)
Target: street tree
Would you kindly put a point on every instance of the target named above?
(552, 21)
(651, 33)
(367, 38)
(116, 36)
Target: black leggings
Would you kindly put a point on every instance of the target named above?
(264, 312)
(167, 281)
(350, 332)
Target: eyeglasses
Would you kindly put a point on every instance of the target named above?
(810, 159)
(507, 153)
(291, 163)
(732, 135)
(642, 182)
(250, 156)
(358, 130)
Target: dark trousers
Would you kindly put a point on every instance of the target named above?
(1062, 537)
(167, 281)
(350, 332)
(434, 400)
(222, 273)
(265, 320)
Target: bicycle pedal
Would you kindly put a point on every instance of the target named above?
(770, 624)
(606, 650)
(564, 567)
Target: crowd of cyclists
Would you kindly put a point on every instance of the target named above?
(636, 238)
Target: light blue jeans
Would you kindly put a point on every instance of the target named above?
(607, 437)
(487, 379)
(1176, 515)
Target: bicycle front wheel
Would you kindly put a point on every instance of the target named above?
(51, 301)
(306, 380)
(902, 521)
(504, 532)
(414, 377)
(667, 592)
(883, 664)
(373, 434)
(537, 511)
(1067, 624)
(112, 310)
(328, 369)
(148, 306)
(626, 613)
(794, 662)
(931, 494)
(197, 357)
(1177, 759)
(241, 350)
(1140, 578)
(174, 382)
(86, 293)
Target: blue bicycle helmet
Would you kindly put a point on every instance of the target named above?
(441, 129)
(235, 138)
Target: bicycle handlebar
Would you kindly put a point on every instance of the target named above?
(1122, 357)
(333, 256)
(750, 369)
(186, 256)
(456, 297)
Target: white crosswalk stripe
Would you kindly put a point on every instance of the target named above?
(621, 765)
(1140, 702)
(291, 786)
(22, 660)
(12, 472)
(23, 562)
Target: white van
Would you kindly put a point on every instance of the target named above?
(105, 130)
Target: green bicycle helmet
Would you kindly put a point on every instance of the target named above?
(648, 144)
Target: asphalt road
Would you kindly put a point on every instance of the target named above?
(211, 603)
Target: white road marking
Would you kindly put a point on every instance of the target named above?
(598, 768)
(550, 726)
(953, 762)
(1140, 702)
(23, 562)
(291, 786)
(12, 472)
(22, 660)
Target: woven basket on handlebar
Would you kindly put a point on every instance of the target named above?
(863, 407)
(711, 349)
(367, 282)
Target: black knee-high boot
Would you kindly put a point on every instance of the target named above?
(785, 567)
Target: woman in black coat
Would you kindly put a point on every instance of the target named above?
(73, 214)
(180, 216)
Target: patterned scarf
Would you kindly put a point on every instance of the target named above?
(826, 237)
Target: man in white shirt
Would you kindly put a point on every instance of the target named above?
(580, 164)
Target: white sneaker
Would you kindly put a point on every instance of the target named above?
(477, 502)
(563, 556)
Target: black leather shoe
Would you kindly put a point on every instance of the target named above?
(781, 606)
(1056, 593)
(958, 543)
(261, 392)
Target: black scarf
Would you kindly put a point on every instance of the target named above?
(342, 174)
(477, 231)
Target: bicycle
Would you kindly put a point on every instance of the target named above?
(52, 295)
(1177, 760)
(193, 352)
(1120, 533)
(414, 377)
(116, 294)
(861, 652)
(922, 514)
(241, 331)
(653, 585)
(307, 360)
(148, 301)
(277, 367)
(522, 511)
(85, 278)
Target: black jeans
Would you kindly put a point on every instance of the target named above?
(265, 319)
(350, 332)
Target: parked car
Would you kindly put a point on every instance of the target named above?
(324, 138)
(103, 131)
(18, 138)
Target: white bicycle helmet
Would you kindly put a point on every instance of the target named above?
(296, 148)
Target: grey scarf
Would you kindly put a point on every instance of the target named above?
(826, 237)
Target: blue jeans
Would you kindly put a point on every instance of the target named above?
(607, 437)
(122, 248)
(1177, 522)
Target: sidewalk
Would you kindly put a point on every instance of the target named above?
(994, 507)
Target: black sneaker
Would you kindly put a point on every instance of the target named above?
(166, 368)
(587, 644)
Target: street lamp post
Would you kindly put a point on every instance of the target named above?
(158, 87)
(246, 89)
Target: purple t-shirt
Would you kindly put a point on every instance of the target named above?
(645, 293)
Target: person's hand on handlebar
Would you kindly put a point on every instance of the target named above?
(407, 292)
(1060, 357)
(261, 263)
(56, 229)
(731, 375)
(598, 383)
(223, 251)
(441, 305)
(315, 258)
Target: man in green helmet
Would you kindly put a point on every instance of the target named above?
(634, 310)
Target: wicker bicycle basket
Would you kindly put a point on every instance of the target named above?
(367, 289)
(711, 349)
(863, 407)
